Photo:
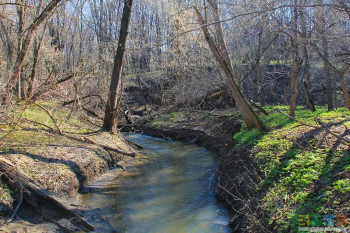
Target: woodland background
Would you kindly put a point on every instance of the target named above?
(71, 51)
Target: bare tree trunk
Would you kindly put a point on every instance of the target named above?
(249, 116)
(307, 75)
(344, 88)
(5, 35)
(259, 68)
(24, 45)
(32, 77)
(36, 49)
(340, 73)
(326, 66)
(219, 33)
(116, 79)
(21, 7)
(296, 64)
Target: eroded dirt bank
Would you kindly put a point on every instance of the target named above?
(58, 164)
(269, 179)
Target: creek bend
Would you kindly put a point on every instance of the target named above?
(169, 188)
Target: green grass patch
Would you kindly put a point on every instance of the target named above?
(298, 172)
(342, 186)
(248, 137)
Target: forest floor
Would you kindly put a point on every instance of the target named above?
(293, 175)
(52, 161)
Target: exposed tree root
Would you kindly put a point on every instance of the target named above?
(42, 200)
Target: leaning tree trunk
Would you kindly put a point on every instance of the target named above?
(110, 118)
(220, 52)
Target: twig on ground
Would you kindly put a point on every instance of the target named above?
(17, 207)
(329, 131)
(81, 139)
(51, 117)
(318, 121)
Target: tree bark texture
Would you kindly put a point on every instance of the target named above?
(326, 66)
(306, 59)
(25, 42)
(109, 122)
(296, 64)
(249, 116)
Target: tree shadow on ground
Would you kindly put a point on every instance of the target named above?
(316, 189)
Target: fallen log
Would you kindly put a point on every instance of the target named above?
(105, 147)
(215, 95)
(42, 200)
(133, 143)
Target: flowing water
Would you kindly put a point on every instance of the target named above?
(169, 189)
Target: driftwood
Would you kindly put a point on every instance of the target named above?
(42, 200)
(110, 148)
(133, 143)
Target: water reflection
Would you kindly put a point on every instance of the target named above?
(171, 189)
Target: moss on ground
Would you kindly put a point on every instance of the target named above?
(303, 167)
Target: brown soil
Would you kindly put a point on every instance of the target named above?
(213, 130)
(56, 163)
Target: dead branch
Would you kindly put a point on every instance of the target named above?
(106, 147)
(261, 109)
(92, 113)
(81, 139)
(316, 127)
(293, 119)
(39, 123)
(85, 97)
(52, 118)
(48, 87)
(342, 174)
(18, 205)
(133, 143)
(329, 131)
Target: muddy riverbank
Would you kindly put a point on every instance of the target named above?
(214, 130)
(59, 165)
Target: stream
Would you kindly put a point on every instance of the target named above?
(169, 188)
